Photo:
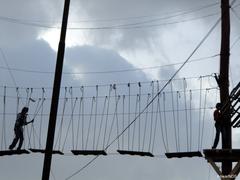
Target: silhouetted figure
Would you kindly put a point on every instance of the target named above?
(18, 128)
(218, 124)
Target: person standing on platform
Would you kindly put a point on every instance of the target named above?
(18, 128)
(217, 114)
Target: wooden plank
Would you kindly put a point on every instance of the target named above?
(135, 153)
(13, 152)
(89, 152)
(43, 151)
(184, 154)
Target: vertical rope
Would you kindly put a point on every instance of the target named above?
(32, 130)
(69, 124)
(145, 125)
(106, 122)
(123, 119)
(161, 126)
(165, 120)
(129, 113)
(118, 123)
(114, 116)
(190, 118)
(72, 119)
(134, 124)
(139, 120)
(59, 137)
(28, 103)
(156, 119)
(116, 99)
(174, 117)
(27, 97)
(3, 140)
(95, 120)
(82, 99)
(178, 126)
(101, 122)
(151, 125)
(186, 112)
(200, 111)
(24, 132)
(39, 107)
(204, 113)
(79, 120)
(18, 100)
(41, 119)
(90, 121)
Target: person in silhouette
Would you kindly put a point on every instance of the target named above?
(18, 128)
(218, 124)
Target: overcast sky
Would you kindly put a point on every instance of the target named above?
(111, 35)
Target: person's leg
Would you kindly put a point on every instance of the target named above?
(21, 139)
(218, 130)
(223, 131)
(15, 140)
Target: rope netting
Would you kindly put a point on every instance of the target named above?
(89, 117)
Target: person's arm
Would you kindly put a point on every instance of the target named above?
(217, 115)
(25, 121)
(29, 122)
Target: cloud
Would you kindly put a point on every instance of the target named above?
(39, 55)
(94, 59)
(103, 50)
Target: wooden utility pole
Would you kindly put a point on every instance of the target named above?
(55, 94)
(224, 82)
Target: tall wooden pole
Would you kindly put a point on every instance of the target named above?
(224, 81)
(55, 94)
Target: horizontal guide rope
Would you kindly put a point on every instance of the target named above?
(127, 26)
(119, 95)
(125, 113)
(111, 84)
(166, 15)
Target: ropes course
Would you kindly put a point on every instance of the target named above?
(90, 117)
(105, 119)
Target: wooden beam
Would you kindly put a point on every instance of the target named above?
(224, 81)
(215, 167)
(236, 169)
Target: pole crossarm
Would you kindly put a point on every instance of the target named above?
(214, 156)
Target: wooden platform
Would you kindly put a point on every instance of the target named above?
(13, 152)
(89, 152)
(184, 154)
(219, 155)
(135, 153)
(43, 151)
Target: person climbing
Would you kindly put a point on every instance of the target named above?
(18, 128)
(218, 124)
